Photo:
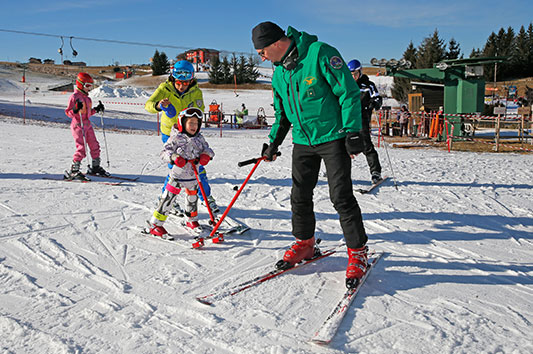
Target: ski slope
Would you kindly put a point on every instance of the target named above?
(76, 276)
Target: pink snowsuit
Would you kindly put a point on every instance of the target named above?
(87, 133)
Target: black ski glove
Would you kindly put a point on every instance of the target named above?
(269, 151)
(78, 107)
(100, 107)
(376, 103)
(354, 143)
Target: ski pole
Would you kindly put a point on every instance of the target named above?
(202, 190)
(390, 163)
(103, 130)
(257, 161)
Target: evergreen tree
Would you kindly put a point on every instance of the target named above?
(227, 77)
(519, 59)
(159, 63)
(529, 64)
(410, 54)
(401, 86)
(490, 50)
(475, 53)
(498, 45)
(251, 70)
(431, 51)
(241, 70)
(216, 76)
(454, 49)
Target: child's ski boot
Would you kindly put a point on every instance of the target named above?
(75, 174)
(96, 169)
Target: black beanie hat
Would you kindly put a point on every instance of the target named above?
(266, 33)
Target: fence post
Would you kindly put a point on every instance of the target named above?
(379, 127)
(24, 105)
(522, 130)
(450, 147)
(498, 133)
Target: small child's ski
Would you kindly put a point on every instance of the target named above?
(230, 226)
(365, 191)
(203, 233)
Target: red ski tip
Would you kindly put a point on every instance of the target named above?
(205, 302)
(219, 238)
(198, 243)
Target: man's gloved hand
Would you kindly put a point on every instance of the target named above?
(269, 151)
(376, 103)
(178, 160)
(204, 159)
(77, 107)
(100, 107)
(354, 143)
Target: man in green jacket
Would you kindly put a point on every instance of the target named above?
(315, 93)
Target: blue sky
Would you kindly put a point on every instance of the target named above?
(358, 29)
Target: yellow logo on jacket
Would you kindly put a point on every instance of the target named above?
(310, 80)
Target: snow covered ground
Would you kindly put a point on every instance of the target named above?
(77, 277)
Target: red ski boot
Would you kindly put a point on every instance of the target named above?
(158, 231)
(300, 250)
(357, 265)
(193, 225)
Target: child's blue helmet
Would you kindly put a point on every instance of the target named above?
(354, 65)
(182, 70)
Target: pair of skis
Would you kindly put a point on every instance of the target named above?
(219, 235)
(324, 335)
(206, 233)
(202, 235)
(118, 180)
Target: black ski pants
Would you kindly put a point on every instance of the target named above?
(305, 169)
(369, 151)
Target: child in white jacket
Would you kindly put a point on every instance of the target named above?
(184, 145)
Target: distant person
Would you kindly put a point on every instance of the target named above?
(370, 100)
(185, 144)
(239, 115)
(80, 109)
(181, 89)
(403, 119)
(316, 95)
